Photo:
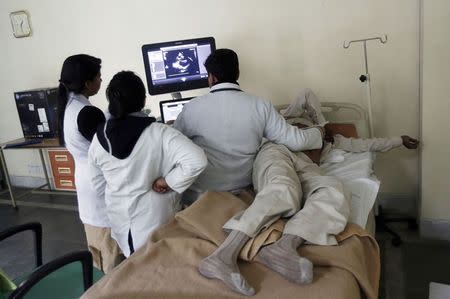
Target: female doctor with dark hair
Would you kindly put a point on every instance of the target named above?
(78, 120)
(141, 166)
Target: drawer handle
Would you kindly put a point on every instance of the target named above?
(66, 183)
(64, 170)
(61, 158)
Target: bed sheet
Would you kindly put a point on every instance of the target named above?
(166, 267)
(355, 170)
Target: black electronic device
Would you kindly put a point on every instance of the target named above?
(170, 109)
(177, 65)
(37, 110)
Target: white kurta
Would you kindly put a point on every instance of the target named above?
(132, 205)
(229, 125)
(359, 145)
(279, 176)
(91, 205)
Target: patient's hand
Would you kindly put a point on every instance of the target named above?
(160, 185)
(410, 142)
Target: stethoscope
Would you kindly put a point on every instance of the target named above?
(225, 89)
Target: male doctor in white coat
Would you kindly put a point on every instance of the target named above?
(230, 124)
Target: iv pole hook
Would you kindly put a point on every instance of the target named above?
(382, 39)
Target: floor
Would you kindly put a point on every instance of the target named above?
(408, 269)
(63, 232)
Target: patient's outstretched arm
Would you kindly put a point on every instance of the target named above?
(359, 145)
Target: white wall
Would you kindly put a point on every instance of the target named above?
(436, 110)
(283, 46)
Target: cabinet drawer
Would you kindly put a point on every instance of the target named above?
(61, 158)
(65, 183)
(64, 170)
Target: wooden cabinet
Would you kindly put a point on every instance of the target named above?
(63, 169)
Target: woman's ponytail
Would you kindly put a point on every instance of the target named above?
(62, 103)
(115, 107)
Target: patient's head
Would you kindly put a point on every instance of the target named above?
(125, 93)
(222, 66)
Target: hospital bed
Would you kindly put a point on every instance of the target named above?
(166, 266)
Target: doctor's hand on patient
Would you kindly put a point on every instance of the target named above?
(160, 185)
(409, 142)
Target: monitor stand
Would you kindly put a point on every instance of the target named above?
(176, 95)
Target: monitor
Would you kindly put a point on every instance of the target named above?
(170, 109)
(178, 65)
(37, 112)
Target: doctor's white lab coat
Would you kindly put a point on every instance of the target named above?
(132, 205)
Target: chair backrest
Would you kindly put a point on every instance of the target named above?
(6, 284)
(63, 277)
(55, 279)
(36, 228)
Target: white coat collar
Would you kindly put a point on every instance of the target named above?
(79, 97)
(225, 86)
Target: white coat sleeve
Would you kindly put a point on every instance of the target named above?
(358, 145)
(98, 181)
(279, 131)
(188, 159)
(180, 123)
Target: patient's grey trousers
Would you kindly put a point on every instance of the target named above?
(282, 179)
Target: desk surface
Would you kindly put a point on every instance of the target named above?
(46, 143)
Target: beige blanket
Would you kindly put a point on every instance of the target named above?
(166, 267)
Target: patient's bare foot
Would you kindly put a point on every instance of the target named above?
(282, 257)
(222, 264)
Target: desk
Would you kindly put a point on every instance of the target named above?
(46, 144)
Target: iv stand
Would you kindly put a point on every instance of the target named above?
(365, 78)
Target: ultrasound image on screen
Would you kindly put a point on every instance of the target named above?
(181, 62)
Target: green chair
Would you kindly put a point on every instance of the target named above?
(68, 276)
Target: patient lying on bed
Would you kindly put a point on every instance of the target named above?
(282, 178)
